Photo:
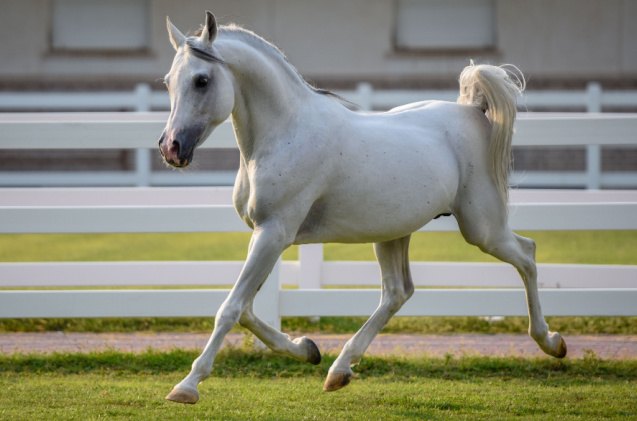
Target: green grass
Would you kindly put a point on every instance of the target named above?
(595, 247)
(327, 325)
(252, 385)
(124, 247)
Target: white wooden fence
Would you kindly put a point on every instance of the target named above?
(566, 289)
(142, 99)
(591, 99)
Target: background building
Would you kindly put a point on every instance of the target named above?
(408, 43)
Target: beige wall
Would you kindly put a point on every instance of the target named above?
(333, 41)
(567, 38)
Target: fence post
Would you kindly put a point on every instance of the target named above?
(266, 303)
(364, 93)
(142, 156)
(310, 268)
(593, 152)
(143, 167)
(142, 97)
(311, 265)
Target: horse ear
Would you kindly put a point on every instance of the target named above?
(209, 32)
(177, 39)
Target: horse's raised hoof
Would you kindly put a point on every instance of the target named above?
(561, 350)
(313, 353)
(336, 380)
(181, 395)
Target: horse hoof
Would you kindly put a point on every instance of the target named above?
(558, 351)
(561, 350)
(313, 353)
(181, 395)
(335, 381)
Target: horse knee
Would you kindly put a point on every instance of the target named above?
(201, 367)
(394, 298)
(227, 316)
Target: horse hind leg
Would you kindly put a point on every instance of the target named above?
(397, 287)
(550, 342)
(487, 229)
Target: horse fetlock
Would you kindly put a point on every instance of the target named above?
(539, 334)
(199, 371)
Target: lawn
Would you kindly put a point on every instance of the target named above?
(259, 385)
(253, 385)
(594, 247)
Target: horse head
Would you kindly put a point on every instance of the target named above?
(201, 92)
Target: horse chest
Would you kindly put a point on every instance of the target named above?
(241, 195)
(259, 197)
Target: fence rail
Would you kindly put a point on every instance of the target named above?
(106, 212)
(488, 289)
(142, 98)
(593, 99)
(140, 130)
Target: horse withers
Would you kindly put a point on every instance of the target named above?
(313, 171)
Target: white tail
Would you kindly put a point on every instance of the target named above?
(494, 90)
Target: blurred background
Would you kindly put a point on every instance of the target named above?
(92, 55)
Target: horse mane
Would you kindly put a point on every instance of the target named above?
(262, 44)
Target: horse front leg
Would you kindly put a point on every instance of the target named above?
(302, 349)
(267, 243)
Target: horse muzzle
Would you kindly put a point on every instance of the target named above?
(177, 151)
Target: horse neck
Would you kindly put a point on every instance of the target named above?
(268, 91)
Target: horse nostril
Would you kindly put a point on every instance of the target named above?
(174, 147)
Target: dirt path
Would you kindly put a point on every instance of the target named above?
(603, 346)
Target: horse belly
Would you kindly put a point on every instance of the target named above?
(390, 194)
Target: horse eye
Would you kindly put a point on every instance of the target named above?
(201, 81)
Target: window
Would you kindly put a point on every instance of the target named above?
(99, 26)
(445, 25)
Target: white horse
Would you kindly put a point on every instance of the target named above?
(313, 171)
